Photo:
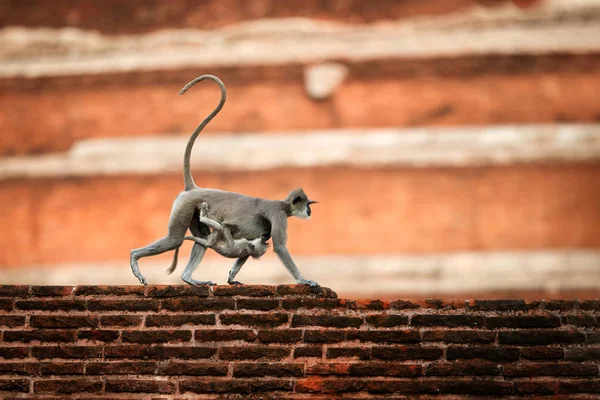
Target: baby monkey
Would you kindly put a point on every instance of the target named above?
(221, 240)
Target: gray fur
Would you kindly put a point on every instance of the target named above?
(249, 218)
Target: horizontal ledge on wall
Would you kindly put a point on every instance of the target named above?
(359, 275)
(42, 52)
(426, 147)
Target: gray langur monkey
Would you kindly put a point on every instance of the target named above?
(246, 217)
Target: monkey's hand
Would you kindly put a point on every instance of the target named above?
(204, 209)
(234, 282)
(314, 285)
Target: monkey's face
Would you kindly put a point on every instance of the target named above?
(300, 205)
(257, 247)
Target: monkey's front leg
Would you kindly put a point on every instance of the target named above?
(286, 259)
(239, 263)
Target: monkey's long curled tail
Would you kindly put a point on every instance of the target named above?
(187, 170)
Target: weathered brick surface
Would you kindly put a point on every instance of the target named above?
(287, 342)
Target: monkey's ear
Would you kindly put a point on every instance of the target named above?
(297, 200)
(251, 246)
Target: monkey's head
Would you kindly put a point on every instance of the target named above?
(257, 247)
(299, 204)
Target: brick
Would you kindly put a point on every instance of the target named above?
(180, 320)
(404, 305)
(459, 336)
(257, 304)
(260, 320)
(395, 336)
(120, 368)
(385, 369)
(587, 321)
(14, 352)
(463, 368)
(159, 352)
(14, 385)
(20, 368)
(224, 335)
(38, 335)
(328, 369)
(51, 291)
(178, 291)
(254, 370)
(387, 320)
(523, 321)
(6, 304)
(304, 290)
(245, 290)
(590, 305)
(369, 304)
(472, 387)
(533, 387)
(51, 305)
(67, 352)
(560, 305)
(406, 353)
(444, 304)
(308, 352)
(67, 386)
(542, 353)
(99, 335)
(252, 352)
(454, 320)
(214, 386)
(12, 321)
(158, 336)
(582, 353)
(132, 305)
(280, 335)
(271, 385)
(120, 320)
(193, 368)
(62, 368)
(547, 369)
(183, 304)
(499, 305)
(324, 336)
(592, 337)
(139, 386)
(492, 353)
(436, 386)
(326, 321)
(397, 386)
(61, 321)
(14, 290)
(362, 353)
(106, 290)
(575, 387)
(312, 303)
(541, 337)
(319, 385)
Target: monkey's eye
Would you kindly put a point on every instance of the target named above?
(297, 200)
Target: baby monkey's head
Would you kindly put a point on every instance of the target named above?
(257, 247)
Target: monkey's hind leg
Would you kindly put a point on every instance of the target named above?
(198, 230)
(239, 263)
(160, 246)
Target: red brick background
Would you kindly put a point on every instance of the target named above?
(285, 342)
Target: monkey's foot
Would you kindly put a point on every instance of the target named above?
(234, 282)
(314, 285)
(193, 282)
(142, 280)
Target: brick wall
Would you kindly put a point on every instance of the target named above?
(188, 342)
